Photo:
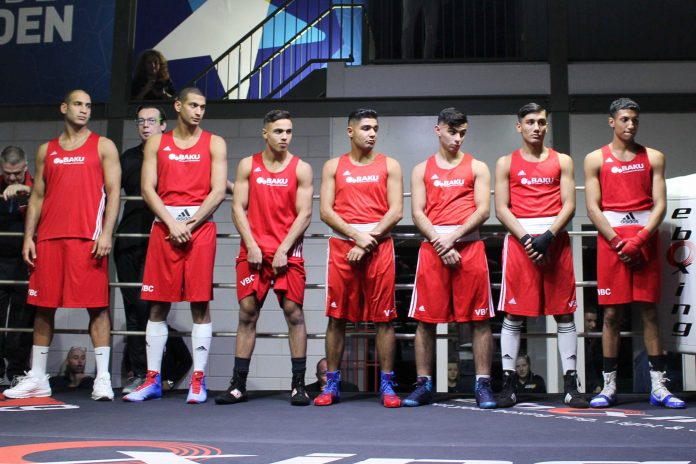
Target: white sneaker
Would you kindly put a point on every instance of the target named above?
(102, 390)
(30, 386)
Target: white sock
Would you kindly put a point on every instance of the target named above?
(201, 334)
(39, 358)
(510, 336)
(567, 345)
(102, 356)
(156, 334)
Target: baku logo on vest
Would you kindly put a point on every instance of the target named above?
(635, 167)
(185, 158)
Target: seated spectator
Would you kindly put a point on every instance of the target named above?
(151, 80)
(318, 386)
(526, 380)
(454, 384)
(593, 352)
(72, 372)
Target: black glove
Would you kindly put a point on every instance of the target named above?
(524, 239)
(541, 243)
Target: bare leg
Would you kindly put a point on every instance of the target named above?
(246, 331)
(651, 329)
(483, 347)
(610, 331)
(335, 341)
(425, 348)
(297, 332)
(386, 345)
(100, 326)
(44, 322)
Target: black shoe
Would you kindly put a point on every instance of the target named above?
(233, 394)
(507, 397)
(573, 397)
(298, 395)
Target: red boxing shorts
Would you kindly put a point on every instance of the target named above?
(362, 292)
(67, 276)
(452, 294)
(290, 284)
(618, 283)
(179, 273)
(530, 289)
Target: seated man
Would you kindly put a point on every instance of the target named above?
(318, 386)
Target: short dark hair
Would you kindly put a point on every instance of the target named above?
(68, 94)
(163, 115)
(12, 154)
(452, 117)
(529, 108)
(525, 355)
(362, 113)
(623, 104)
(276, 115)
(184, 93)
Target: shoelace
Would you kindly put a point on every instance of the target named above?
(196, 383)
(387, 386)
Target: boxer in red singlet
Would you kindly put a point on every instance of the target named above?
(626, 200)
(361, 200)
(272, 208)
(72, 211)
(535, 200)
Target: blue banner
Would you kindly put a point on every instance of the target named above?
(48, 47)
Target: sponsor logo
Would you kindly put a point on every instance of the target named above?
(629, 219)
(481, 311)
(258, 169)
(421, 308)
(53, 153)
(185, 158)
(608, 160)
(346, 173)
(272, 181)
(333, 304)
(69, 160)
(604, 291)
(635, 167)
(247, 280)
(538, 181)
(167, 148)
(521, 173)
(435, 176)
(449, 183)
(33, 292)
(183, 216)
(512, 301)
(201, 348)
(363, 179)
(573, 304)
(148, 288)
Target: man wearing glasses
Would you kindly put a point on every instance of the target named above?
(129, 253)
(15, 187)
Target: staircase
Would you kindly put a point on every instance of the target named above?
(283, 49)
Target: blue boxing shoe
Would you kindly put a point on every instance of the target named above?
(660, 395)
(151, 389)
(607, 397)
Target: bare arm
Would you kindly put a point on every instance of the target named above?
(34, 208)
(418, 202)
(593, 195)
(659, 190)
(502, 198)
(327, 196)
(303, 205)
(111, 168)
(395, 200)
(16, 190)
(567, 195)
(240, 204)
(218, 182)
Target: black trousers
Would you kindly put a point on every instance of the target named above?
(130, 263)
(15, 347)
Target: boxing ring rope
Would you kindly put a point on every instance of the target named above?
(310, 286)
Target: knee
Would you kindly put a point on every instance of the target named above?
(612, 320)
(295, 317)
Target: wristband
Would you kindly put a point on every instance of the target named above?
(524, 239)
(614, 242)
(643, 235)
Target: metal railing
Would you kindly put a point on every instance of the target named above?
(283, 49)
